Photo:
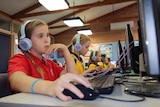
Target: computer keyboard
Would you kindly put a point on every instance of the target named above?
(104, 84)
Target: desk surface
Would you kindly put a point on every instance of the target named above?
(44, 101)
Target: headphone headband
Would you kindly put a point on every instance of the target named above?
(22, 30)
(78, 38)
(25, 43)
(94, 58)
(77, 45)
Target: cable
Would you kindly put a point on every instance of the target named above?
(142, 99)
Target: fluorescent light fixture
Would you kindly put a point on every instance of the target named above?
(54, 4)
(73, 22)
(86, 31)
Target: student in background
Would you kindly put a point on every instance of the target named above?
(104, 59)
(32, 73)
(80, 46)
(107, 62)
(95, 60)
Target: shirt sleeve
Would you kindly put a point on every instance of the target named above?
(92, 66)
(17, 63)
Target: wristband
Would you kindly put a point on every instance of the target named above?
(32, 86)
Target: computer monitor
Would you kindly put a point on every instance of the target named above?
(149, 18)
(120, 61)
(129, 48)
(128, 56)
(149, 12)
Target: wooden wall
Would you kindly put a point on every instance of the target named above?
(107, 37)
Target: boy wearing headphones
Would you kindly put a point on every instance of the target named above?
(32, 72)
(80, 46)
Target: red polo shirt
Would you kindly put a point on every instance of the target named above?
(21, 62)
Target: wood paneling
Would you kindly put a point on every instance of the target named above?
(101, 30)
(105, 37)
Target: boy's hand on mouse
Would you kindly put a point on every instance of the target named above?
(64, 82)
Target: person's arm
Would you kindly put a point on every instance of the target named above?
(97, 68)
(91, 66)
(70, 65)
(112, 65)
(21, 82)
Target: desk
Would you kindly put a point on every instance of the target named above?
(46, 101)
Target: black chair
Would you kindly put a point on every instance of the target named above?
(4, 90)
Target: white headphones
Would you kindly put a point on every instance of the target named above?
(94, 58)
(77, 45)
(25, 43)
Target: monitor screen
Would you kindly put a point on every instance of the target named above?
(127, 56)
(130, 60)
(149, 23)
(120, 61)
(149, 12)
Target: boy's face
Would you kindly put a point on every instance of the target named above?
(40, 39)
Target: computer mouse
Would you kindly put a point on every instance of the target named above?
(89, 93)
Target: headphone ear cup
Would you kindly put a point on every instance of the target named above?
(94, 58)
(25, 44)
(78, 46)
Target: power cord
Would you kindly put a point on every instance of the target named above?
(115, 99)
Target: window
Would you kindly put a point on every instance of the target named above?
(5, 24)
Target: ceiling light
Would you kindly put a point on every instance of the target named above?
(73, 22)
(54, 4)
(85, 31)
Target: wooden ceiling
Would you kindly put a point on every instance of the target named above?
(86, 9)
